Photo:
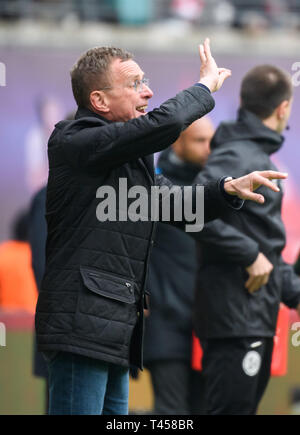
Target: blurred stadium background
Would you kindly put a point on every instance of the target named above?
(39, 42)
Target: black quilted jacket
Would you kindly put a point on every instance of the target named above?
(92, 295)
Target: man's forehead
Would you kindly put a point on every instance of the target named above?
(126, 69)
(202, 126)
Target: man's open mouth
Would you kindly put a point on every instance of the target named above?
(142, 109)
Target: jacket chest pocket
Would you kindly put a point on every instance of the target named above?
(108, 286)
(106, 310)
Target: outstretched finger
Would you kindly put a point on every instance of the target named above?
(259, 180)
(273, 174)
(202, 54)
(207, 48)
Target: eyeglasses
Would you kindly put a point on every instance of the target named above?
(137, 85)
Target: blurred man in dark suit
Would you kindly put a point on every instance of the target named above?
(172, 273)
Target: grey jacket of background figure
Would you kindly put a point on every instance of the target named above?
(92, 296)
(224, 307)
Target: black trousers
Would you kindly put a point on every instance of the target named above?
(236, 373)
(178, 390)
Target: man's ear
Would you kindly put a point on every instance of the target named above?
(177, 147)
(98, 101)
(282, 109)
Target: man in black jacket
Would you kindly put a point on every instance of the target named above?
(242, 278)
(89, 319)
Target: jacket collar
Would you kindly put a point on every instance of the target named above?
(83, 112)
(248, 127)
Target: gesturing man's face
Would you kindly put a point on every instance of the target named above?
(128, 94)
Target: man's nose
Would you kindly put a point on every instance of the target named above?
(146, 92)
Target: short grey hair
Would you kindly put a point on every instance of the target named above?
(90, 72)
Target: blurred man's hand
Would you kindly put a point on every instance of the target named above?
(259, 273)
(244, 187)
(210, 75)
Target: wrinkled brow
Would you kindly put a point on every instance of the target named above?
(136, 76)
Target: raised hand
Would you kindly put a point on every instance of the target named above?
(244, 187)
(210, 75)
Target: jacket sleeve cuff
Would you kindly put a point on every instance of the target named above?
(201, 85)
(233, 201)
(248, 258)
